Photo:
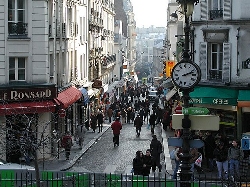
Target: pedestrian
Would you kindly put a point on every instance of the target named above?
(80, 134)
(110, 113)
(93, 122)
(177, 161)
(138, 163)
(100, 120)
(67, 143)
(235, 155)
(194, 155)
(147, 163)
(156, 150)
(116, 127)
(221, 155)
(152, 119)
(209, 148)
(138, 124)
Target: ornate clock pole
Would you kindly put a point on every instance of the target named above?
(186, 75)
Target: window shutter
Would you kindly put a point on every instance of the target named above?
(203, 60)
(227, 10)
(204, 10)
(226, 63)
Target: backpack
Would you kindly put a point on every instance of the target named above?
(172, 154)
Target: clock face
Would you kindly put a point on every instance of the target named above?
(186, 75)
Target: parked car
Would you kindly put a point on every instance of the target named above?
(14, 166)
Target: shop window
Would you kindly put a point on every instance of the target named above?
(17, 69)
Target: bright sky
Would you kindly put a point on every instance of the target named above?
(150, 12)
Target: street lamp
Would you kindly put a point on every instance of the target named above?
(185, 75)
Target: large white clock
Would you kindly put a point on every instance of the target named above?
(186, 75)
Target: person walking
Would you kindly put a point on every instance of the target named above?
(100, 120)
(235, 155)
(116, 127)
(147, 163)
(138, 124)
(152, 120)
(67, 143)
(221, 155)
(156, 150)
(80, 134)
(110, 113)
(138, 163)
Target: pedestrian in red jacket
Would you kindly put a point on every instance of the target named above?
(116, 127)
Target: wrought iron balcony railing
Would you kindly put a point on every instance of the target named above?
(215, 75)
(18, 29)
(214, 14)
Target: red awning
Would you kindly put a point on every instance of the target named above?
(68, 97)
(27, 107)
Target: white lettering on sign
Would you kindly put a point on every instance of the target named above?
(196, 100)
(220, 101)
(15, 95)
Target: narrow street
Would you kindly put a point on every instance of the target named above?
(103, 157)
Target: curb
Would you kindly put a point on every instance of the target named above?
(84, 150)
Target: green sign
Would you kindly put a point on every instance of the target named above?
(215, 101)
(195, 111)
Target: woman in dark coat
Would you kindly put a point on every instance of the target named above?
(93, 122)
(138, 163)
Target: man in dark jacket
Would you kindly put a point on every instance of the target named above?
(100, 119)
(116, 127)
(152, 122)
(156, 150)
(138, 163)
(138, 124)
(221, 156)
(147, 163)
(209, 149)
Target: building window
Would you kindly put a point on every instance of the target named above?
(16, 18)
(216, 61)
(216, 9)
(17, 69)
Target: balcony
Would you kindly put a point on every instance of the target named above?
(18, 29)
(215, 75)
(215, 14)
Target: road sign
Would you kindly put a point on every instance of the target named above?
(195, 111)
(177, 142)
(198, 122)
(245, 144)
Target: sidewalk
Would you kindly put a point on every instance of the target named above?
(62, 164)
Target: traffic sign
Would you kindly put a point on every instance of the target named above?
(177, 142)
(245, 144)
(195, 111)
(198, 122)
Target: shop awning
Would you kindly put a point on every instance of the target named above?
(244, 98)
(213, 95)
(85, 95)
(27, 107)
(68, 97)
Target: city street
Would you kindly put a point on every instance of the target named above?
(103, 157)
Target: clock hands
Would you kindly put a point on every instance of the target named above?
(185, 74)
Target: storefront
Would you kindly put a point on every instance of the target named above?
(26, 115)
(66, 101)
(221, 102)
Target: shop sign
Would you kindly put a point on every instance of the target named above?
(22, 94)
(97, 84)
(215, 101)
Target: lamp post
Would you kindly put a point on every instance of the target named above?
(186, 75)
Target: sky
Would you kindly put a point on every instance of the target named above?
(150, 12)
